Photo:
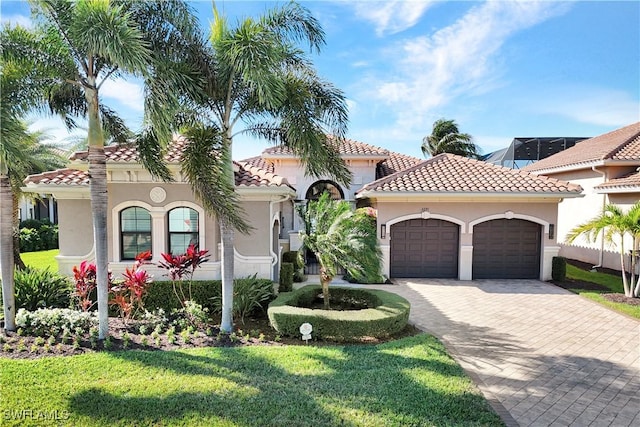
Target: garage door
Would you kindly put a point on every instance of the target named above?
(424, 248)
(506, 249)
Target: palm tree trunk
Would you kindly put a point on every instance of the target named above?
(99, 199)
(228, 256)
(325, 279)
(6, 254)
(623, 267)
(17, 259)
(226, 235)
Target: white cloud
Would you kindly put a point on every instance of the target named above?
(21, 20)
(128, 93)
(462, 58)
(590, 105)
(391, 17)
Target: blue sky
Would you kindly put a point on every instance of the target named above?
(501, 69)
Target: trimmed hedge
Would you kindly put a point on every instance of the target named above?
(389, 314)
(286, 277)
(559, 268)
(203, 292)
(298, 265)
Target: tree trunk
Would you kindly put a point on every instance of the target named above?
(6, 252)
(325, 279)
(623, 267)
(99, 199)
(226, 236)
(17, 259)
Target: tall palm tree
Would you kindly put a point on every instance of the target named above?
(256, 75)
(338, 237)
(447, 138)
(87, 43)
(615, 224)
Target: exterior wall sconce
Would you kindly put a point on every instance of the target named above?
(552, 229)
(383, 231)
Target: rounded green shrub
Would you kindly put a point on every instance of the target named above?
(387, 314)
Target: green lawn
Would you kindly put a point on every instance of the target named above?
(612, 282)
(411, 381)
(42, 259)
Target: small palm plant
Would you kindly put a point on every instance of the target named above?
(615, 225)
(338, 238)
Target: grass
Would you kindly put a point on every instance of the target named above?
(41, 259)
(610, 281)
(411, 381)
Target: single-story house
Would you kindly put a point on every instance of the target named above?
(444, 217)
(607, 167)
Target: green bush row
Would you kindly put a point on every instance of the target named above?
(390, 314)
(250, 294)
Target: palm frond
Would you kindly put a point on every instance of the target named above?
(205, 166)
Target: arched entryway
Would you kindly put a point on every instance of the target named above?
(506, 249)
(317, 188)
(424, 248)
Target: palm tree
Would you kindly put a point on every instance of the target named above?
(447, 138)
(338, 237)
(35, 156)
(615, 225)
(256, 75)
(84, 44)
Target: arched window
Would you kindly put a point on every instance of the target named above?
(319, 187)
(135, 232)
(183, 229)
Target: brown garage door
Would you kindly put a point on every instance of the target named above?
(506, 249)
(424, 248)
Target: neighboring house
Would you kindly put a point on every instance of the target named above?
(41, 208)
(607, 168)
(444, 217)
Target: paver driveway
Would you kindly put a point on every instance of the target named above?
(548, 356)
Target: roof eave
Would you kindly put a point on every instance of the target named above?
(584, 165)
(618, 189)
(371, 194)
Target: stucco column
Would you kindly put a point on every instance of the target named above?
(158, 234)
(465, 264)
(547, 261)
(386, 259)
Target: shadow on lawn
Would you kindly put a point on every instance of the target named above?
(376, 384)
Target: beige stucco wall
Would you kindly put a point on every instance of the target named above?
(122, 195)
(572, 212)
(467, 214)
(257, 242)
(75, 227)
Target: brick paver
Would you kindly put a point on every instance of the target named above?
(542, 355)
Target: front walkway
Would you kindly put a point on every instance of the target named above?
(542, 356)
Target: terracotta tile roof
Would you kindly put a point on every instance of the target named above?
(61, 177)
(260, 162)
(127, 153)
(620, 144)
(346, 147)
(395, 163)
(248, 175)
(629, 181)
(448, 173)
